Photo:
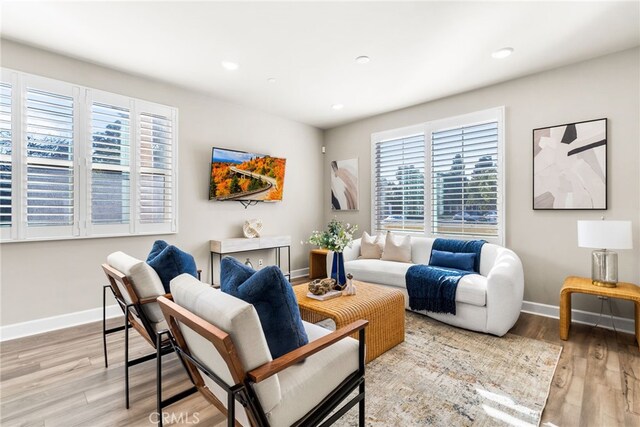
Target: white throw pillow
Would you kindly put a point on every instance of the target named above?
(371, 247)
(397, 248)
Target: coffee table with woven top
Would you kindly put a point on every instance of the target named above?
(382, 307)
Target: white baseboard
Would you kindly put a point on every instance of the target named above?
(299, 273)
(48, 324)
(579, 316)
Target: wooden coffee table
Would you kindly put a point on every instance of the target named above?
(382, 307)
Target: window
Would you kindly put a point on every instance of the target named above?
(458, 183)
(5, 159)
(91, 163)
(110, 166)
(156, 169)
(398, 184)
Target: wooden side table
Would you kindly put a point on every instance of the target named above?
(318, 263)
(583, 285)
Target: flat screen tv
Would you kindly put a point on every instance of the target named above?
(239, 175)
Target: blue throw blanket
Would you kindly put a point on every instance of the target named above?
(434, 288)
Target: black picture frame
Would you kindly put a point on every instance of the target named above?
(563, 182)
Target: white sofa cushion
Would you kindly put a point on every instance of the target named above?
(371, 247)
(143, 278)
(305, 384)
(397, 248)
(378, 271)
(235, 317)
(472, 288)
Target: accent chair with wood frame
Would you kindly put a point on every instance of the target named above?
(136, 286)
(220, 339)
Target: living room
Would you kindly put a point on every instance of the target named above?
(325, 86)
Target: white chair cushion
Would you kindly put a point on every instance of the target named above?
(143, 278)
(304, 385)
(472, 288)
(235, 317)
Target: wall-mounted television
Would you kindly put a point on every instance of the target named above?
(240, 175)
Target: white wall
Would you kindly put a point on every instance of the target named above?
(545, 240)
(42, 279)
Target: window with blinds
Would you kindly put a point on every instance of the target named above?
(464, 180)
(5, 155)
(50, 150)
(87, 163)
(156, 169)
(398, 184)
(110, 164)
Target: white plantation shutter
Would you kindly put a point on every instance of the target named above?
(156, 177)
(398, 184)
(49, 133)
(449, 169)
(110, 164)
(6, 152)
(77, 162)
(465, 180)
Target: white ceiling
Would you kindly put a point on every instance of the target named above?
(419, 51)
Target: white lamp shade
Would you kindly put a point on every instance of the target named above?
(605, 234)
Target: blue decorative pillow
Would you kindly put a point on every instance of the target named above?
(157, 247)
(170, 262)
(457, 260)
(274, 300)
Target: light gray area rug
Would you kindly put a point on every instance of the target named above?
(445, 376)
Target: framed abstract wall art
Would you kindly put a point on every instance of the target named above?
(570, 166)
(344, 185)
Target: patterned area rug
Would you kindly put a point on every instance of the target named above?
(445, 376)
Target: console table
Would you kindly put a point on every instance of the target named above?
(242, 244)
(573, 284)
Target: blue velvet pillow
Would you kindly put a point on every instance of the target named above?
(170, 262)
(274, 300)
(457, 260)
(157, 247)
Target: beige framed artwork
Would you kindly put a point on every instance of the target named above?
(344, 185)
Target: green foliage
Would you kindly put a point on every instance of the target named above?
(336, 237)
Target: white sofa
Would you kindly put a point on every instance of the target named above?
(488, 302)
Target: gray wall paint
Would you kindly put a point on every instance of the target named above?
(42, 279)
(546, 241)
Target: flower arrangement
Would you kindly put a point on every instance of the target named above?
(336, 237)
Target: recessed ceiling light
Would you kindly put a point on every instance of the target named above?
(231, 66)
(271, 80)
(363, 59)
(337, 106)
(502, 53)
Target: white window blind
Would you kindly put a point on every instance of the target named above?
(110, 164)
(50, 150)
(398, 184)
(464, 179)
(156, 178)
(5, 155)
(77, 162)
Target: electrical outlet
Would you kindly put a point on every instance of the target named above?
(260, 263)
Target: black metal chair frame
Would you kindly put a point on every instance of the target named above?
(163, 347)
(246, 396)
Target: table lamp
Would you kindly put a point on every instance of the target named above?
(604, 235)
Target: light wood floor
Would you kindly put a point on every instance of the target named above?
(59, 379)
